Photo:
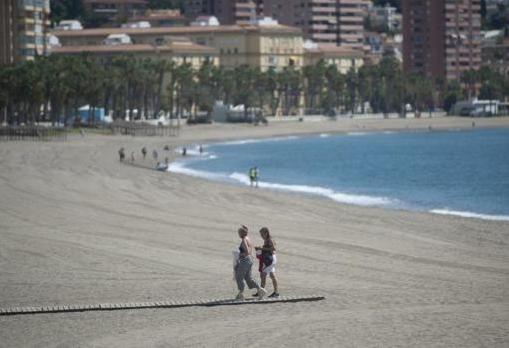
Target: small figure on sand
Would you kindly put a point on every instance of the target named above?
(132, 156)
(473, 124)
(144, 152)
(166, 148)
(253, 176)
(184, 151)
(154, 154)
(266, 254)
(200, 149)
(166, 161)
(121, 154)
(161, 166)
(243, 267)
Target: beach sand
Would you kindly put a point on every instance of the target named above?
(79, 227)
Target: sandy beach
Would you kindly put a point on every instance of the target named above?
(79, 227)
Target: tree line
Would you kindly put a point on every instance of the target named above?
(53, 88)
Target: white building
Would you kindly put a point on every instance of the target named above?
(205, 21)
(117, 39)
(70, 24)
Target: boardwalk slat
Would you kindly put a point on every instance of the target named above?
(159, 304)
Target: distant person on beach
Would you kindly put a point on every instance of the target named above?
(268, 260)
(121, 154)
(200, 149)
(256, 176)
(244, 265)
(154, 154)
(132, 156)
(184, 151)
(166, 148)
(253, 176)
(144, 152)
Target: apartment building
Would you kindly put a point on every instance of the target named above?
(116, 10)
(162, 18)
(236, 11)
(441, 38)
(334, 22)
(386, 17)
(263, 46)
(197, 8)
(23, 29)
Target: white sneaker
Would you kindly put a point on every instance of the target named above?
(240, 296)
(262, 293)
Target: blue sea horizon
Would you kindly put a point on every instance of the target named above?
(463, 173)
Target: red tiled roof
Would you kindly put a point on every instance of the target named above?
(176, 30)
(178, 47)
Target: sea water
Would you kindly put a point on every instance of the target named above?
(464, 173)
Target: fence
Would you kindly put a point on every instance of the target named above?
(136, 129)
(32, 133)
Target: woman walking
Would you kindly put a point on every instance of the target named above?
(243, 267)
(268, 261)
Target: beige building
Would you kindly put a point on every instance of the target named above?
(261, 46)
(180, 51)
(23, 29)
(343, 58)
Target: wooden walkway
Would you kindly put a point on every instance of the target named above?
(145, 305)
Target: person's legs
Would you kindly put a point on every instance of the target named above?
(251, 283)
(239, 276)
(274, 282)
(263, 277)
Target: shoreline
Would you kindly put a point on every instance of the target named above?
(178, 166)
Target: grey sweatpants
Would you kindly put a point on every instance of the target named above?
(243, 272)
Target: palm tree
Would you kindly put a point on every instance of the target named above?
(245, 77)
(470, 79)
(206, 93)
(184, 78)
(272, 90)
(313, 84)
(351, 89)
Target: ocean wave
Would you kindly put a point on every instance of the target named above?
(180, 168)
(357, 133)
(252, 141)
(319, 191)
(470, 214)
(324, 135)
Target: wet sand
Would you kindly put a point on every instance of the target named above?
(77, 227)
